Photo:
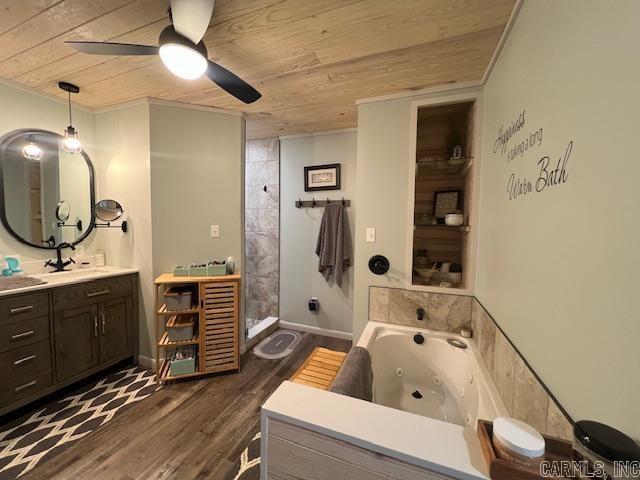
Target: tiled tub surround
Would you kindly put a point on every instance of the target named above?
(445, 313)
(523, 394)
(262, 229)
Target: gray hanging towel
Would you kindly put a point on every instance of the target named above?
(334, 244)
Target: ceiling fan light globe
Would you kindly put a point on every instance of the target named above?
(183, 61)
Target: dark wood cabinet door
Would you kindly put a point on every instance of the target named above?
(116, 329)
(76, 341)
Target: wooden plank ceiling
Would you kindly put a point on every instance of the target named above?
(310, 59)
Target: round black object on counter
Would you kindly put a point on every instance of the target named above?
(606, 441)
(379, 264)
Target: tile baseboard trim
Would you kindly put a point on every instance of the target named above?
(317, 330)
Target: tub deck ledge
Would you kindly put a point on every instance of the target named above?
(442, 448)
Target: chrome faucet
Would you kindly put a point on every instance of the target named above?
(59, 264)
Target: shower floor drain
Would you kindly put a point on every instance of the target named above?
(278, 345)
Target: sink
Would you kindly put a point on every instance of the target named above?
(37, 281)
(70, 275)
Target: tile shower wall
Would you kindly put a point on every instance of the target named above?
(524, 396)
(262, 229)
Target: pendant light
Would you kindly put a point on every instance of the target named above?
(70, 143)
(31, 151)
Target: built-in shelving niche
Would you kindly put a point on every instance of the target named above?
(441, 169)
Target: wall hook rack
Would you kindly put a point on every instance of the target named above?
(320, 203)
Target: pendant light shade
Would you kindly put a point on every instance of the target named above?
(70, 143)
(31, 151)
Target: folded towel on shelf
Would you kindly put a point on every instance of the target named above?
(334, 243)
(355, 377)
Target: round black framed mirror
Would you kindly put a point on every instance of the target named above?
(41, 183)
(109, 210)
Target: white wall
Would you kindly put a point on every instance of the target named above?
(24, 109)
(176, 171)
(196, 181)
(124, 174)
(558, 268)
(299, 276)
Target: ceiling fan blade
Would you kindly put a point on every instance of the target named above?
(231, 83)
(108, 48)
(191, 17)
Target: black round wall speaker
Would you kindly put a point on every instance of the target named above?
(379, 264)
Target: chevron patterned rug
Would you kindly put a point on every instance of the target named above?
(247, 467)
(37, 437)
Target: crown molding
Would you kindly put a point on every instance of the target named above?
(318, 134)
(169, 103)
(448, 87)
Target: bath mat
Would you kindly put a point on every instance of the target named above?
(320, 368)
(278, 345)
(39, 436)
(247, 467)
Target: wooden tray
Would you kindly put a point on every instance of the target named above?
(499, 469)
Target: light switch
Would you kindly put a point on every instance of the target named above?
(215, 231)
(371, 234)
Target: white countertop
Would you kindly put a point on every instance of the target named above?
(69, 278)
(438, 446)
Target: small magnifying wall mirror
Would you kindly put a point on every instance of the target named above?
(46, 194)
(63, 210)
(109, 211)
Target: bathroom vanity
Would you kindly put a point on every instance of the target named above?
(54, 334)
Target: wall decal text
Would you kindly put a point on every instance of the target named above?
(513, 147)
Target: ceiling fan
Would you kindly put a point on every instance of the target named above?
(181, 49)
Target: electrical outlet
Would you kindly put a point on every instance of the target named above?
(215, 231)
(371, 234)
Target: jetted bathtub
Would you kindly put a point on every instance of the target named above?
(433, 378)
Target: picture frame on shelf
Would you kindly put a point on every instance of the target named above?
(322, 177)
(446, 201)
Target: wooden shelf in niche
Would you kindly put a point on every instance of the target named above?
(462, 228)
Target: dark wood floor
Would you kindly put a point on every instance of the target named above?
(187, 430)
